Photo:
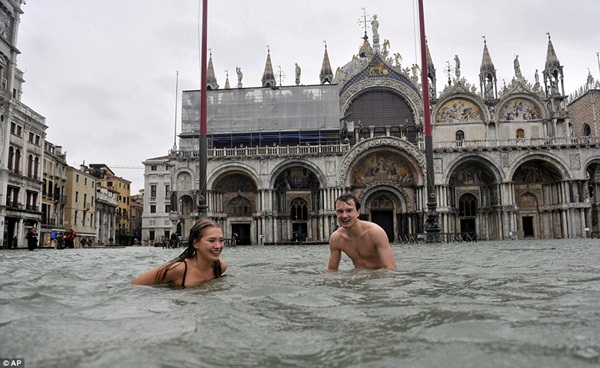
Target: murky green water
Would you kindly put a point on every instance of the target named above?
(486, 304)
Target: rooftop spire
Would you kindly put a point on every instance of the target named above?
(487, 74)
(553, 72)
(211, 79)
(227, 80)
(486, 62)
(551, 58)
(365, 49)
(268, 78)
(430, 72)
(326, 72)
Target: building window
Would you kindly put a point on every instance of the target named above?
(36, 167)
(76, 197)
(152, 208)
(31, 203)
(460, 137)
(299, 210)
(167, 208)
(30, 166)
(11, 155)
(153, 191)
(12, 197)
(75, 219)
(468, 206)
(16, 129)
(520, 134)
(17, 161)
(153, 168)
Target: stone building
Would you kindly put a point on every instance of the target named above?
(80, 209)
(22, 136)
(54, 199)
(107, 203)
(136, 209)
(157, 226)
(106, 178)
(507, 161)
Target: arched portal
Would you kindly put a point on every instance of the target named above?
(539, 196)
(473, 197)
(382, 213)
(237, 193)
(387, 206)
(467, 214)
(296, 198)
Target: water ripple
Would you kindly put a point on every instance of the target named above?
(486, 304)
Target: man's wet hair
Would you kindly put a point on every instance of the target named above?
(346, 197)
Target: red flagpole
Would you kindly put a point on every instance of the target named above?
(432, 229)
(202, 144)
(424, 78)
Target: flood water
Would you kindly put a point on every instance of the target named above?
(485, 304)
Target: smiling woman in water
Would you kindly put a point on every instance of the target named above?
(199, 263)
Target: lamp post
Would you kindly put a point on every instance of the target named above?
(202, 144)
(432, 229)
(174, 218)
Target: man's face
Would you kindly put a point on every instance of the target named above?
(346, 213)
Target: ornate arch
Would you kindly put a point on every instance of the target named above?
(373, 145)
(562, 169)
(230, 167)
(239, 206)
(407, 93)
(296, 163)
(184, 180)
(521, 107)
(401, 198)
(483, 161)
(460, 108)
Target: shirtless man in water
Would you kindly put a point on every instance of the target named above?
(366, 243)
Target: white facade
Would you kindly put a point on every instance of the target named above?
(22, 135)
(156, 225)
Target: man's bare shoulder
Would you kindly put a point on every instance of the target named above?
(337, 238)
(372, 227)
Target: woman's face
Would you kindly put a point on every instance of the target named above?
(211, 244)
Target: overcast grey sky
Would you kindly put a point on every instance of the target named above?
(103, 72)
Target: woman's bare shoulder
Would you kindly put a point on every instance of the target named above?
(223, 265)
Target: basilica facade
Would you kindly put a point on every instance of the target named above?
(508, 161)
